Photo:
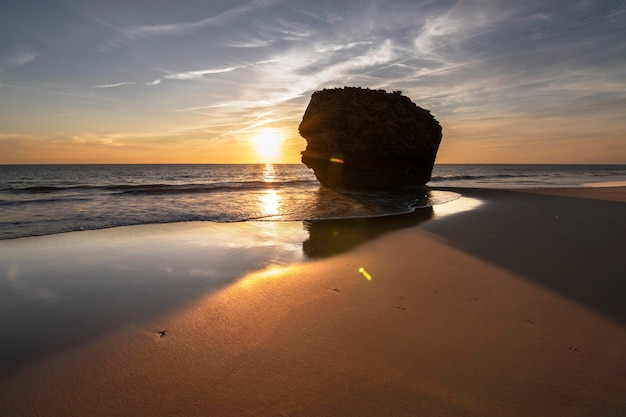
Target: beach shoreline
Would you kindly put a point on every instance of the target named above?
(511, 306)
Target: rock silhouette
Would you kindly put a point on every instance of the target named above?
(359, 139)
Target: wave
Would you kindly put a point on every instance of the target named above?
(439, 178)
(9, 203)
(37, 189)
(160, 188)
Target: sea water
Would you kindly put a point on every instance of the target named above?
(48, 199)
(527, 176)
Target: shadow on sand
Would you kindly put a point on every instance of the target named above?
(329, 237)
(571, 246)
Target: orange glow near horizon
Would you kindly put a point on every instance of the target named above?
(504, 142)
(266, 145)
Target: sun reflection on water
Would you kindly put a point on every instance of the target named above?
(271, 202)
(269, 173)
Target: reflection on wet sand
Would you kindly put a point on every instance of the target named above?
(59, 291)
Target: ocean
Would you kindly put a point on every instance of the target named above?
(47, 199)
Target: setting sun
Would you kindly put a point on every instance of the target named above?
(268, 144)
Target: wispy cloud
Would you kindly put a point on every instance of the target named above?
(17, 59)
(114, 85)
(252, 43)
(187, 75)
(190, 75)
(451, 27)
(25, 58)
(212, 106)
(297, 72)
(293, 31)
(137, 32)
(184, 75)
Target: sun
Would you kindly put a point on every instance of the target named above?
(268, 144)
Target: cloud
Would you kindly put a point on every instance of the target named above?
(136, 32)
(113, 85)
(20, 57)
(24, 58)
(190, 75)
(212, 106)
(297, 72)
(293, 31)
(253, 43)
(185, 75)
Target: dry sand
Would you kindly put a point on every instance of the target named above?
(513, 308)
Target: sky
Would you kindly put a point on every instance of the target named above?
(227, 81)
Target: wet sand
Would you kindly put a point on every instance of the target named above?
(512, 307)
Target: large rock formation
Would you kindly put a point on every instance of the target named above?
(368, 139)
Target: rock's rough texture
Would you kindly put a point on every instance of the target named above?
(368, 139)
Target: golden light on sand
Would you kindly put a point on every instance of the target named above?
(268, 144)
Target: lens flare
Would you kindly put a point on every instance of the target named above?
(365, 274)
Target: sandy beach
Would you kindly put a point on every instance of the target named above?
(501, 303)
